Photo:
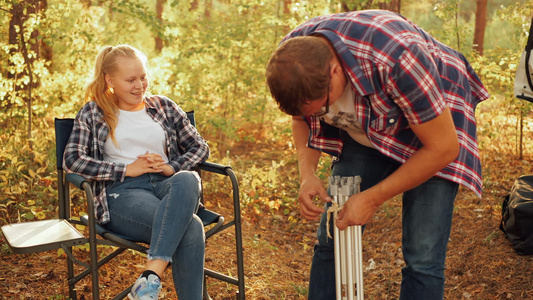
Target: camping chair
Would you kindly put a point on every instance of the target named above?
(38, 236)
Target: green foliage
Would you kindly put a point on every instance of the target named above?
(213, 62)
(497, 70)
(454, 31)
(27, 180)
(363, 4)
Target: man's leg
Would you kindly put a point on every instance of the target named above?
(356, 160)
(426, 221)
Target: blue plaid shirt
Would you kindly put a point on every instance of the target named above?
(84, 151)
(401, 75)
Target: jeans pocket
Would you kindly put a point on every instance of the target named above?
(110, 185)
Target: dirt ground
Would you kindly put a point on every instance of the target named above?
(277, 252)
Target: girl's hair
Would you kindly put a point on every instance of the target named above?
(298, 72)
(97, 89)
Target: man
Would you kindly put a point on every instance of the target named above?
(394, 106)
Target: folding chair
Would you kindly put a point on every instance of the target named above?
(37, 236)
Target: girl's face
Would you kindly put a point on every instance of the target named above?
(129, 83)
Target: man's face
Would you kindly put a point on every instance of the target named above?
(316, 107)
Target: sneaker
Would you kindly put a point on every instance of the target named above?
(146, 288)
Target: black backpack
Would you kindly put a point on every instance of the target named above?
(517, 215)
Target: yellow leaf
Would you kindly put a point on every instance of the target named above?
(40, 215)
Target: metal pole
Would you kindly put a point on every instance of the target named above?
(347, 243)
(336, 239)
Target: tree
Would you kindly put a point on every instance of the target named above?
(481, 22)
(287, 7)
(159, 15)
(392, 5)
(351, 5)
(21, 12)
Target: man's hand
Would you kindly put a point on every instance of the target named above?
(440, 147)
(357, 210)
(310, 188)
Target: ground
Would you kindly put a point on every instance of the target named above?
(277, 253)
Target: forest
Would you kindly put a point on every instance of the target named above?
(209, 56)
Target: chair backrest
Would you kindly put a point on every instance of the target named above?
(63, 129)
(190, 116)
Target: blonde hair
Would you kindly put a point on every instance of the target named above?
(97, 89)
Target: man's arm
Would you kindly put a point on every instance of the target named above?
(440, 147)
(310, 184)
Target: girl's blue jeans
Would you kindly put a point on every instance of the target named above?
(426, 225)
(160, 210)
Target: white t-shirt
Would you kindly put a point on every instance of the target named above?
(136, 133)
(342, 115)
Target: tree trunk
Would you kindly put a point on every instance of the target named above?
(287, 7)
(159, 14)
(38, 45)
(481, 23)
(392, 5)
(86, 3)
(19, 15)
(344, 7)
(194, 5)
(208, 8)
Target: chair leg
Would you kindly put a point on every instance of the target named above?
(70, 274)
(206, 293)
(94, 269)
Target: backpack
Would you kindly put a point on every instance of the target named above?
(517, 215)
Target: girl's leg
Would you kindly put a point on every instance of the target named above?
(188, 262)
(180, 196)
(160, 210)
(179, 234)
(132, 207)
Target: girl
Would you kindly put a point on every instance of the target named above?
(139, 151)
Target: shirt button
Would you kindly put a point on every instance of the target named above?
(391, 121)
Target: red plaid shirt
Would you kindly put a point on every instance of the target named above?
(401, 75)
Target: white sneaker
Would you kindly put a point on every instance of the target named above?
(146, 288)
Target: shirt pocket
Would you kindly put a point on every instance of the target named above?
(390, 122)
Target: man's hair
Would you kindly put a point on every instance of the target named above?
(298, 72)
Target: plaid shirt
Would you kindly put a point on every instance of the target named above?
(84, 151)
(401, 76)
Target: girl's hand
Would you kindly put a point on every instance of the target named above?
(148, 163)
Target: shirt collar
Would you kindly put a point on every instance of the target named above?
(354, 71)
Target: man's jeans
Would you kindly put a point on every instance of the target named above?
(426, 224)
(160, 210)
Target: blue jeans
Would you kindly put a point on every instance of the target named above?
(426, 224)
(160, 210)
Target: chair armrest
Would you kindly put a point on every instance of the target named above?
(75, 179)
(212, 167)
